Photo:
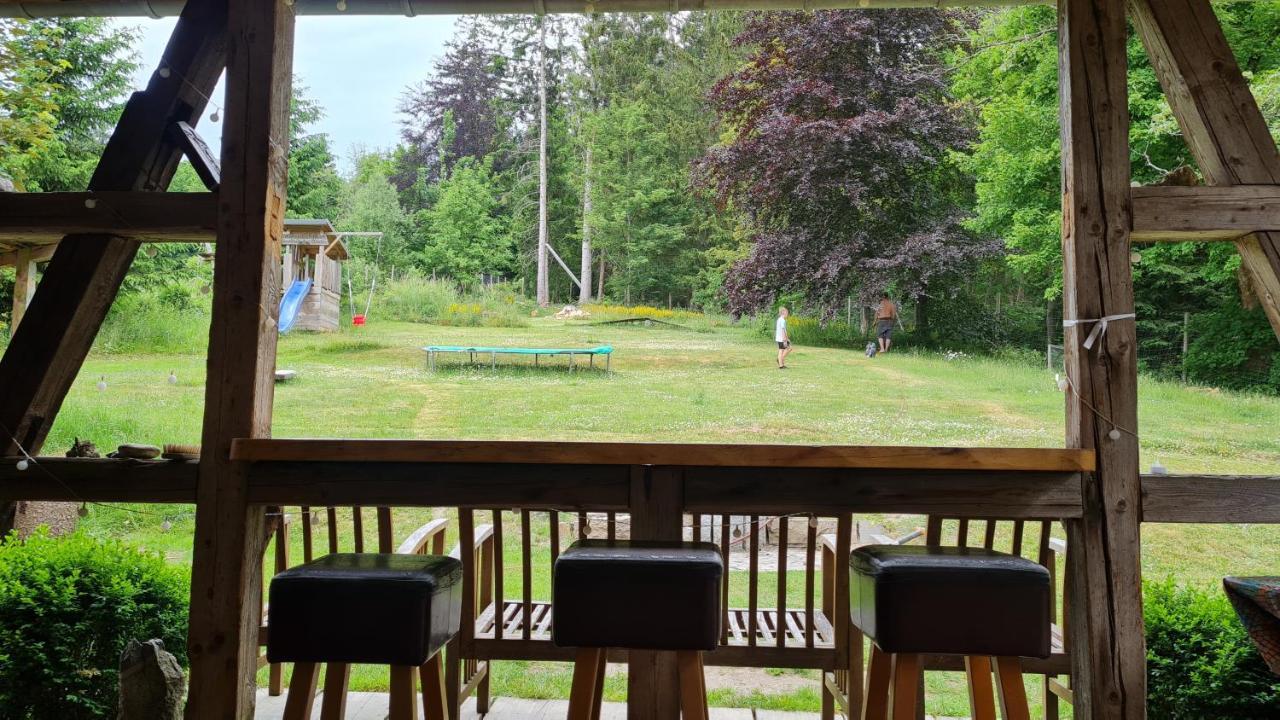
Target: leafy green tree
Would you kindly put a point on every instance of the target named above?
(1009, 71)
(27, 108)
(637, 211)
(465, 235)
(313, 174)
(369, 203)
(95, 60)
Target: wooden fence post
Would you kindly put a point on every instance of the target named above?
(226, 577)
(657, 512)
(1108, 647)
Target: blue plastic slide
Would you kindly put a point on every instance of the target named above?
(291, 302)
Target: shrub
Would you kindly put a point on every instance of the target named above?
(165, 320)
(1200, 662)
(645, 311)
(68, 606)
(416, 299)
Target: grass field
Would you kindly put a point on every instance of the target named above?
(711, 382)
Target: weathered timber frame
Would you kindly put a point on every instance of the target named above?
(1093, 485)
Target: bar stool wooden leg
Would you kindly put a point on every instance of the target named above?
(982, 702)
(693, 692)
(597, 697)
(1013, 696)
(875, 700)
(275, 680)
(434, 705)
(333, 703)
(581, 696)
(404, 701)
(905, 686)
(302, 691)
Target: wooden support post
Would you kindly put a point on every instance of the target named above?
(1108, 648)
(1219, 117)
(24, 287)
(227, 572)
(82, 278)
(657, 505)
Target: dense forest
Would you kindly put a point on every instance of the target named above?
(724, 162)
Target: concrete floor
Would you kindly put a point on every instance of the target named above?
(373, 706)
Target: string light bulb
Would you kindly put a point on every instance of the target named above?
(342, 5)
(1061, 381)
(1114, 434)
(90, 203)
(166, 526)
(215, 117)
(151, 251)
(173, 378)
(23, 465)
(84, 510)
(102, 383)
(163, 72)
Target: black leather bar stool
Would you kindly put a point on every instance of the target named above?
(638, 596)
(378, 609)
(927, 600)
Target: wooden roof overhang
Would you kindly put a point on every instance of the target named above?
(1102, 498)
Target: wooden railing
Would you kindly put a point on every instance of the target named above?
(661, 489)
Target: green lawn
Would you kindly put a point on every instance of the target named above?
(712, 382)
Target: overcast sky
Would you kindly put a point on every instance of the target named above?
(355, 67)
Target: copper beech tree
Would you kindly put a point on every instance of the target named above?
(839, 128)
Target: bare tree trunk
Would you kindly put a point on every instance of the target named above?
(544, 292)
(600, 279)
(585, 279)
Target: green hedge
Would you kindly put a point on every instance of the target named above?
(68, 606)
(1200, 662)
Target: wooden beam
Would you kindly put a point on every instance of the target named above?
(1204, 213)
(1219, 118)
(24, 285)
(144, 216)
(954, 493)
(1211, 498)
(1108, 647)
(687, 454)
(226, 577)
(60, 479)
(82, 279)
(657, 496)
(476, 485)
(38, 253)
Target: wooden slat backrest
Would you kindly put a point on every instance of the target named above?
(499, 598)
(1042, 552)
(526, 575)
(810, 555)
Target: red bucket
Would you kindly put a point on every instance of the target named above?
(357, 320)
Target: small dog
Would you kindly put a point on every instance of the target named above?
(872, 349)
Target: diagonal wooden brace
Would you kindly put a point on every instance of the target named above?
(1220, 120)
(82, 278)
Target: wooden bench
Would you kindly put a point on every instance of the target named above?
(761, 634)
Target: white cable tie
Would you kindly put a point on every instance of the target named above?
(1099, 327)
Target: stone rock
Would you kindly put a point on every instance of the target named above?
(6, 185)
(152, 684)
(572, 312)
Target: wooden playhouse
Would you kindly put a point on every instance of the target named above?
(311, 276)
